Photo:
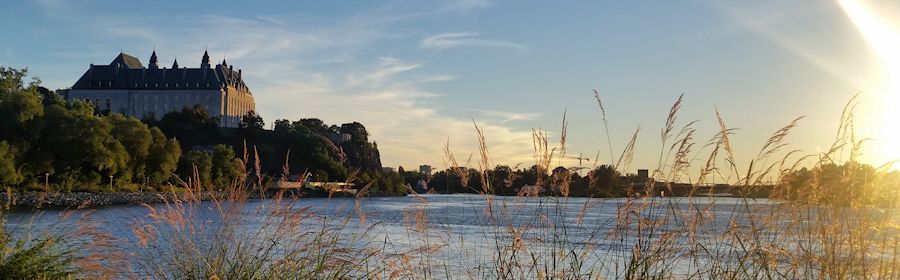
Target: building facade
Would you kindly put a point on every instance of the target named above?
(126, 86)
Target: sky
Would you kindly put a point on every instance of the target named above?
(422, 74)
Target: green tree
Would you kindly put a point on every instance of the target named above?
(13, 80)
(252, 121)
(282, 126)
(136, 139)
(9, 175)
(191, 126)
(162, 159)
(226, 169)
(197, 163)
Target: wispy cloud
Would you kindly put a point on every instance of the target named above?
(386, 69)
(386, 94)
(506, 117)
(464, 39)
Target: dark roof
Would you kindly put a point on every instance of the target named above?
(127, 61)
(126, 72)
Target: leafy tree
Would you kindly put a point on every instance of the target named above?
(604, 181)
(282, 126)
(252, 121)
(162, 158)
(191, 126)
(314, 125)
(136, 139)
(356, 130)
(13, 80)
(226, 169)
(20, 113)
(9, 175)
(197, 163)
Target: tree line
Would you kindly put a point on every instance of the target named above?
(602, 181)
(49, 143)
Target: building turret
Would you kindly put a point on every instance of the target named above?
(154, 62)
(205, 62)
(175, 65)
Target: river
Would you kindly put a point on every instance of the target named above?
(465, 232)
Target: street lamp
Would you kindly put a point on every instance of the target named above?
(110, 182)
(47, 181)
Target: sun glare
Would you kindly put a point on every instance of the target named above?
(881, 31)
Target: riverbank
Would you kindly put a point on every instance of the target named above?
(87, 199)
(25, 200)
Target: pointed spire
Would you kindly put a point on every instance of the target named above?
(205, 62)
(175, 65)
(223, 61)
(154, 62)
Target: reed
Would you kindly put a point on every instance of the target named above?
(829, 217)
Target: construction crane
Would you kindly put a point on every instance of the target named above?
(581, 159)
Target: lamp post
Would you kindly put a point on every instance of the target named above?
(47, 181)
(110, 182)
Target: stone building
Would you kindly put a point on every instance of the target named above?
(126, 86)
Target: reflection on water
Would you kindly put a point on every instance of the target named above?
(466, 232)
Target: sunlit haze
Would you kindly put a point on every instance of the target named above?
(417, 73)
(880, 27)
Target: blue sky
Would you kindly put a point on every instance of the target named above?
(417, 73)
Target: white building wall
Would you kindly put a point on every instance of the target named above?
(142, 103)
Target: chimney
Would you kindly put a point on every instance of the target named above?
(239, 74)
(91, 71)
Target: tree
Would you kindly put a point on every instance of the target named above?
(226, 169)
(136, 139)
(604, 181)
(282, 126)
(314, 125)
(9, 175)
(162, 158)
(196, 165)
(252, 121)
(191, 126)
(13, 80)
(356, 130)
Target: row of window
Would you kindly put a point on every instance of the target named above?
(109, 84)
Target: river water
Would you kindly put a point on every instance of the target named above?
(466, 232)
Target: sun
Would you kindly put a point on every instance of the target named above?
(882, 33)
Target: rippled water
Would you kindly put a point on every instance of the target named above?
(467, 231)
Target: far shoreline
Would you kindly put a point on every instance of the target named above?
(85, 200)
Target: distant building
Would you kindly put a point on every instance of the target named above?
(643, 175)
(425, 169)
(126, 86)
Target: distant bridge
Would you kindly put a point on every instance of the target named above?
(328, 187)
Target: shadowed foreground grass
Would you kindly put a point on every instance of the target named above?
(812, 228)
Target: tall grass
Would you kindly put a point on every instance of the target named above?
(651, 237)
(820, 226)
(225, 238)
(71, 248)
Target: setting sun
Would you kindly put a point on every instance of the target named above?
(882, 33)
